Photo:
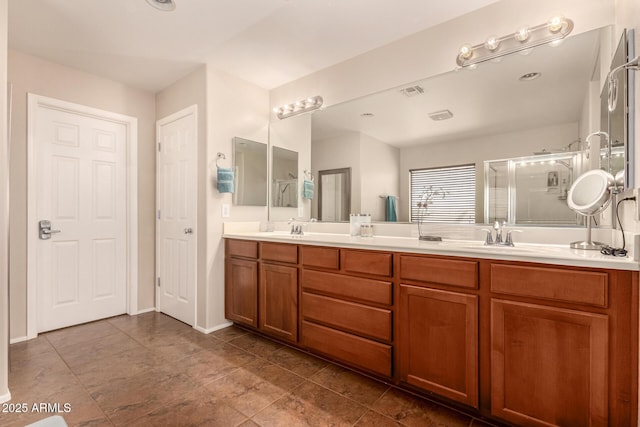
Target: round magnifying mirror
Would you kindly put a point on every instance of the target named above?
(589, 195)
(590, 192)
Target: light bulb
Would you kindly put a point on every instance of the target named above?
(492, 43)
(277, 110)
(466, 51)
(311, 101)
(522, 34)
(555, 24)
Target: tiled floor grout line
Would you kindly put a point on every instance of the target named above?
(229, 345)
(78, 379)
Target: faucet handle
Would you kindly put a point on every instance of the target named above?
(509, 240)
(489, 238)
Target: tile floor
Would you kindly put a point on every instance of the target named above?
(152, 370)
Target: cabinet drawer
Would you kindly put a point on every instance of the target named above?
(242, 248)
(348, 316)
(313, 256)
(367, 262)
(439, 270)
(581, 287)
(282, 252)
(369, 290)
(353, 350)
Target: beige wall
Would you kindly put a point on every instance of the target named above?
(29, 74)
(4, 212)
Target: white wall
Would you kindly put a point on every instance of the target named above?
(28, 73)
(476, 151)
(342, 151)
(234, 108)
(380, 175)
(4, 212)
(293, 133)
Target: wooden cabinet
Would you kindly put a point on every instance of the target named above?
(438, 342)
(241, 296)
(548, 365)
(524, 343)
(241, 282)
(346, 315)
(261, 287)
(279, 301)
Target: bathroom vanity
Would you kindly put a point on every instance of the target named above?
(521, 335)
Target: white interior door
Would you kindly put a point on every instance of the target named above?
(176, 224)
(80, 187)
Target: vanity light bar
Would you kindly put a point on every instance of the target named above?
(299, 107)
(525, 38)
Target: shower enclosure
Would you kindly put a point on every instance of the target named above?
(531, 190)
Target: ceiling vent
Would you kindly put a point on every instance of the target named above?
(441, 115)
(412, 91)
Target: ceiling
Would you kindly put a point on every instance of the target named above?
(266, 42)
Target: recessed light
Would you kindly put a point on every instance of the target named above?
(164, 5)
(529, 76)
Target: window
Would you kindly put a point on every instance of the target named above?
(449, 193)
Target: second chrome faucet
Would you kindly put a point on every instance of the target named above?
(498, 240)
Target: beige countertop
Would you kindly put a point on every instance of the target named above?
(527, 252)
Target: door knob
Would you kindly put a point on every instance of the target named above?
(188, 231)
(44, 226)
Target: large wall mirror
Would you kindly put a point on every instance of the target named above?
(543, 102)
(250, 164)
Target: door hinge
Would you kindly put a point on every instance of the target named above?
(158, 213)
(159, 147)
(158, 282)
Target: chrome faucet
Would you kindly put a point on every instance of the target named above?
(498, 228)
(297, 229)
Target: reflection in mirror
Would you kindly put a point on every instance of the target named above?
(544, 102)
(284, 178)
(612, 157)
(334, 198)
(250, 164)
(531, 190)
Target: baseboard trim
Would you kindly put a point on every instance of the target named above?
(5, 397)
(17, 340)
(146, 310)
(215, 328)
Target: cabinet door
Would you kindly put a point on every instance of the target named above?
(548, 365)
(279, 301)
(241, 291)
(438, 342)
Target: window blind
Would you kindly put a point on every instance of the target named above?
(459, 202)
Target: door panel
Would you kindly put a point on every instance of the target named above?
(177, 205)
(80, 186)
